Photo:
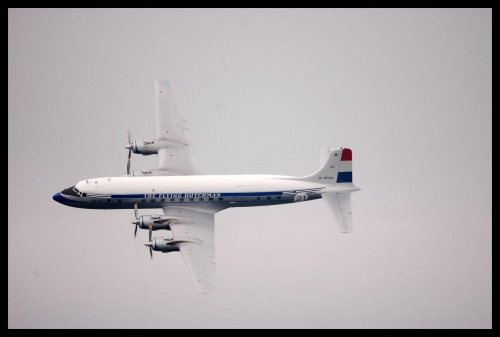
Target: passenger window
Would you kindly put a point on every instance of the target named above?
(162, 200)
(172, 199)
(268, 198)
(153, 200)
(181, 199)
(220, 199)
(200, 199)
(143, 200)
(191, 199)
(278, 197)
(210, 199)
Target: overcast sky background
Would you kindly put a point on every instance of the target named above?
(409, 91)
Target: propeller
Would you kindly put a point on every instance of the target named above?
(137, 221)
(129, 147)
(150, 245)
(150, 232)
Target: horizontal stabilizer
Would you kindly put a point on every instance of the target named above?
(339, 205)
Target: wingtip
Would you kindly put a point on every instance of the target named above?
(206, 290)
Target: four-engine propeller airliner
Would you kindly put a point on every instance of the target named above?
(190, 201)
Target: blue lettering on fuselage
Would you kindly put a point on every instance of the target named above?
(182, 195)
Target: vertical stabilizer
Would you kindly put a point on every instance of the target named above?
(336, 167)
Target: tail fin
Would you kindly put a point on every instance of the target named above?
(336, 167)
(336, 171)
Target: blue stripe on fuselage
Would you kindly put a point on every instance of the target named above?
(103, 202)
(127, 196)
(63, 200)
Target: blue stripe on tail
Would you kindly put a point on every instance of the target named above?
(344, 177)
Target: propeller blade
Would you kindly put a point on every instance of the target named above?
(150, 232)
(128, 161)
(136, 222)
(150, 245)
(129, 147)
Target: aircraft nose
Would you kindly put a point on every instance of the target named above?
(58, 197)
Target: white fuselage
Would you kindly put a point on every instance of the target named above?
(210, 192)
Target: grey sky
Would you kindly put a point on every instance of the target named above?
(409, 91)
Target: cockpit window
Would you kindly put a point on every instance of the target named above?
(70, 191)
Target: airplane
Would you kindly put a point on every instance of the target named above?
(190, 201)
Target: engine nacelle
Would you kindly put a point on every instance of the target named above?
(150, 172)
(165, 245)
(148, 147)
(155, 221)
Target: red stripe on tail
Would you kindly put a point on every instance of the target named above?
(346, 155)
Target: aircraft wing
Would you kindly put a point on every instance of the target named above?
(171, 127)
(198, 249)
(339, 205)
